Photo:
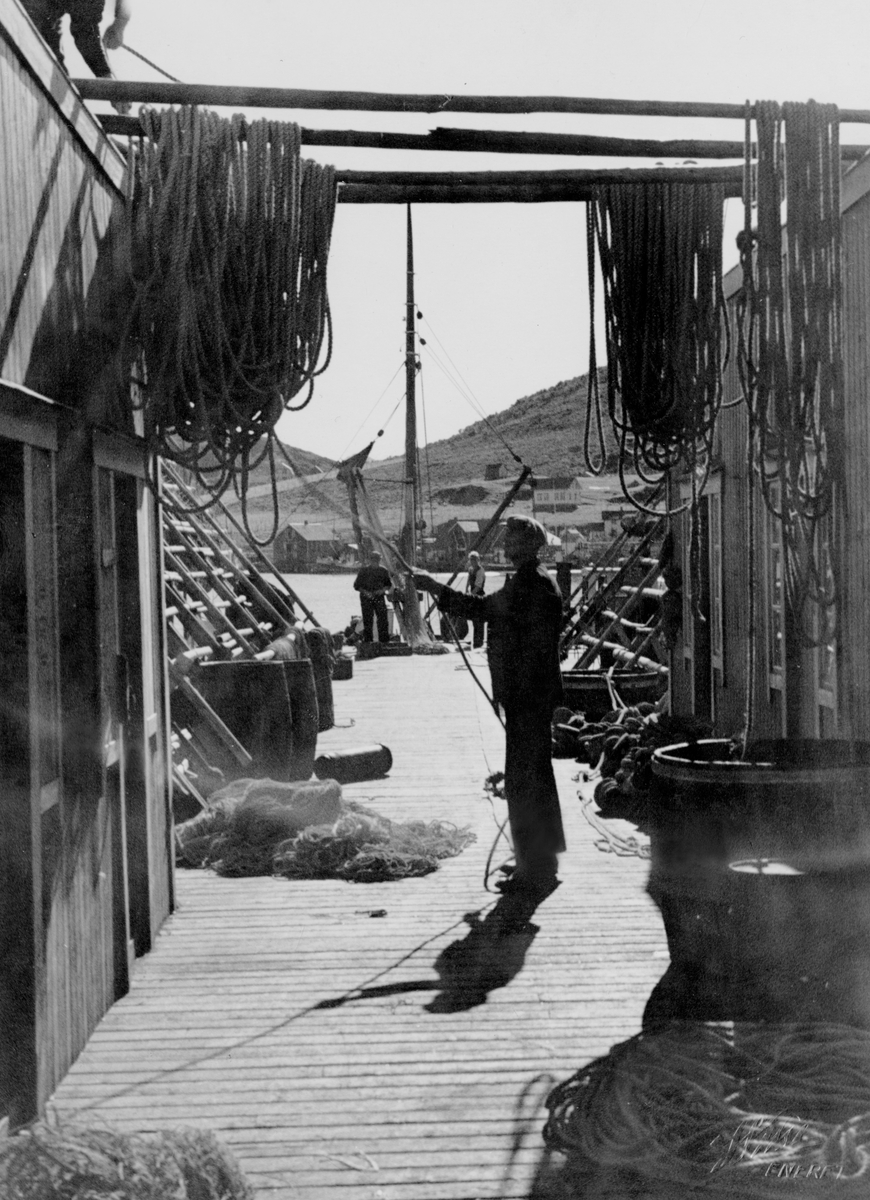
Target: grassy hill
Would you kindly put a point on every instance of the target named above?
(544, 430)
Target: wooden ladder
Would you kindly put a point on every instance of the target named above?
(219, 605)
(604, 603)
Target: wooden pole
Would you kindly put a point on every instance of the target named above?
(408, 539)
(485, 141)
(220, 95)
(526, 193)
(692, 175)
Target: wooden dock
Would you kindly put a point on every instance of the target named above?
(372, 1042)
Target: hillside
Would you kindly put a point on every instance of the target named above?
(544, 430)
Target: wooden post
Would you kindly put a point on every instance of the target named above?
(408, 539)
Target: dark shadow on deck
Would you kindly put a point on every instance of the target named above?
(490, 955)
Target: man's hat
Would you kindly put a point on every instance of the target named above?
(529, 528)
(473, 554)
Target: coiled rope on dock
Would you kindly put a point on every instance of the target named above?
(230, 316)
(732, 1110)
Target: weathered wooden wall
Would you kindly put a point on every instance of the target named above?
(851, 712)
(854, 659)
(87, 866)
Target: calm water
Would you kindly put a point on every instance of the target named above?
(333, 601)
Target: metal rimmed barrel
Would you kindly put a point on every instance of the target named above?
(589, 692)
(804, 801)
(760, 867)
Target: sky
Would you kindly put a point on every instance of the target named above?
(502, 288)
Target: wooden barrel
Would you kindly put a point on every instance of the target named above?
(303, 715)
(586, 691)
(253, 701)
(319, 642)
(755, 863)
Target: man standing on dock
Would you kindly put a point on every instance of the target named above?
(524, 621)
(476, 586)
(373, 582)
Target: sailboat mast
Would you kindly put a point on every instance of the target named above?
(409, 529)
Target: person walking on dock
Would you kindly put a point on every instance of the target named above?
(476, 586)
(373, 583)
(524, 621)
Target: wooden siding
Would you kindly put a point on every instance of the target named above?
(851, 717)
(62, 295)
(57, 202)
(854, 662)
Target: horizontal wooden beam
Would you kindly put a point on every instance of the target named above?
(486, 141)
(464, 193)
(219, 95)
(588, 177)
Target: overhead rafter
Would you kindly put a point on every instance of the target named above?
(487, 141)
(220, 95)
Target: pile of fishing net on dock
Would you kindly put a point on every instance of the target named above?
(48, 1161)
(309, 831)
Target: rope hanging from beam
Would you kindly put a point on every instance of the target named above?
(230, 316)
(790, 346)
(660, 253)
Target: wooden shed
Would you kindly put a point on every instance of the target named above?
(302, 547)
(85, 864)
(828, 691)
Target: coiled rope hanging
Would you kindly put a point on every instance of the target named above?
(230, 317)
(741, 1111)
(660, 251)
(789, 358)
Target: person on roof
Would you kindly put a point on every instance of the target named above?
(524, 621)
(84, 23)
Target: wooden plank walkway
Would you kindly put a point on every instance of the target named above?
(370, 1042)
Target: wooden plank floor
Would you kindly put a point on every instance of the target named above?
(325, 1031)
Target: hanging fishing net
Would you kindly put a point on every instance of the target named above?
(406, 602)
(229, 240)
(738, 1111)
(309, 831)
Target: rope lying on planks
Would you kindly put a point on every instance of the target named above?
(55, 1159)
(230, 316)
(742, 1111)
(309, 831)
(789, 347)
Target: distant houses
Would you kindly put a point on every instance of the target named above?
(454, 538)
(558, 493)
(302, 546)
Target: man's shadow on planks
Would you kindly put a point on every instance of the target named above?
(488, 957)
